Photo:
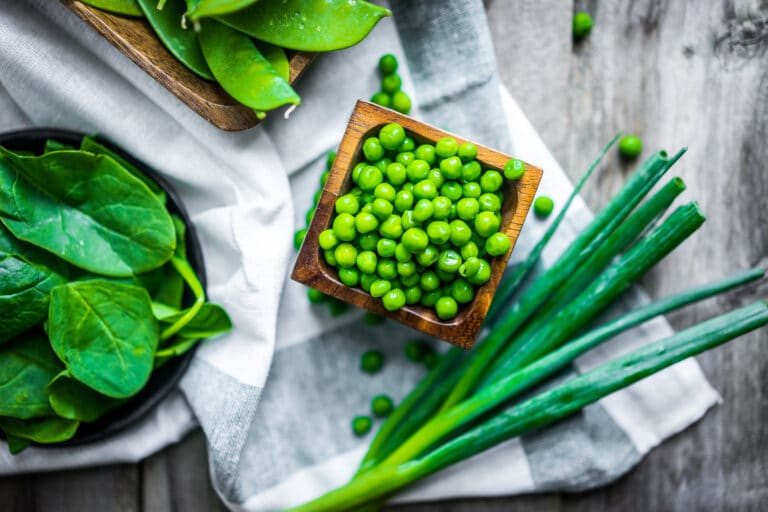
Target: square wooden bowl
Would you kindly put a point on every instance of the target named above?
(312, 270)
(136, 39)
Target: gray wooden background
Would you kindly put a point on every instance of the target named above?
(677, 73)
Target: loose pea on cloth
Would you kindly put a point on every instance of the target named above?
(275, 396)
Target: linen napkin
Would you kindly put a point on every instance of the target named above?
(275, 396)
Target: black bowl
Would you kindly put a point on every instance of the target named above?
(165, 378)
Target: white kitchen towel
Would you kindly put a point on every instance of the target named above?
(275, 396)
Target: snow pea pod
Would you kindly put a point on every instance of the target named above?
(206, 8)
(242, 70)
(308, 25)
(125, 7)
(183, 44)
(277, 57)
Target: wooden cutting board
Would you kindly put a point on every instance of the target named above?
(136, 39)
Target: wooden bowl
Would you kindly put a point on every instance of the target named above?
(136, 39)
(312, 270)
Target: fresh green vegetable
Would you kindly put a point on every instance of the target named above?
(361, 425)
(312, 26)
(514, 169)
(46, 430)
(543, 206)
(206, 8)
(125, 7)
(382, 406)
(630, 146)
(83, 208)
(73, 400)
(372, 361)
(387, 64)
(582, 25)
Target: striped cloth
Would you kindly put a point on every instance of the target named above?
(275, 396)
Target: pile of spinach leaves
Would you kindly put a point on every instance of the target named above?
(93, 268)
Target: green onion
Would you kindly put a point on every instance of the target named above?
(547, 407)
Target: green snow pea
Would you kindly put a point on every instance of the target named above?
(277, 57)
(308, 25)
(205, 8)
(125, 7)
(182, 43)
(242, 70)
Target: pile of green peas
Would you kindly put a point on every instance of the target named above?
(420, 223)
(391, 94)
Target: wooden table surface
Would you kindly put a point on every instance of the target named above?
(677, 73)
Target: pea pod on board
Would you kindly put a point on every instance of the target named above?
(125, 7)
(206, 8)
(242, 70)
(277, 57)
(308, 25)
(181, 42)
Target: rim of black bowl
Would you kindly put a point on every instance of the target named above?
(164, 379)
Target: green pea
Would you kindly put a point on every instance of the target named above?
(408, 145)
(357, 170)
(462, 291)
(436, 177)
(442, 207)
(467, 208)
(482, 275)
(372, 361)
(387, 64)
(486, 224)
(451, 167)
(408, 187)
(367, 261)
(582, 25)
(452, 215)
(394, 299)
(489, 202)
(396, 173)
(428, 256)
(345, 254)
(327, 239)
(406, 268)
(366, 280)
(543, 206)
(497, 244)
(370, 318)
(415, 350)
(411, 280)
(425, 189)
(382, 406)
(373, 149)
(431, 360)
(396, 283)
(361, 425)
(367, 207)
(439, 232)
(380, 287)
(451, 190)
(316, 296)
(417, 170)
(344, 227)
(241, 69)
(298, 238)
(468, 250)
(446, 308)
(382, 164)
(405, 157)
(387, 269)
(449, 261)
(472, 189)
(467, 152)
(329, 257)
(413, 295)
(427, 153)
(404, 201)
(446, 147)
(366, 222)
(349, 276)
(460, 232)
(310, 215)
(415, 240)
(386, 247)
(316, 197)
(391, 227)
(429, 281)
(324, 178)
(514, 169)
(401, 102)
(630, 146)
(408, 220)
(471, 171)
(382, 98)
(336, 307)
(491, 181)
(385, 191)
(381, 208)
(369, 178)
(391, 84)
(423, 210)
(470, 267)
(429, 299)
(402, 253)
(392, 135)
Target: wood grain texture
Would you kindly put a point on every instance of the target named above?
(136, 39)
(312, 270)
(688, 72)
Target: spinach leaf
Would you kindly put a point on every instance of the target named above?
(54, 145)
(105, 334)
(17, 444)
(210, 320)
(87, 209)
(27, 365)
(40, 430)
(176, 347)
(27, 276)
(76, 401)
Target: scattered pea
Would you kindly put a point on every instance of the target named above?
(298, 238)
(497, 244)
(361, 425)
(582, 25)
(387, 64)
(514, 169)
(401, 102)
(391, 83)
(382, 98)
(382, 406)
(372, 361)
(630, 146)
(316, 296)
(372, 318)
(543, 206)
